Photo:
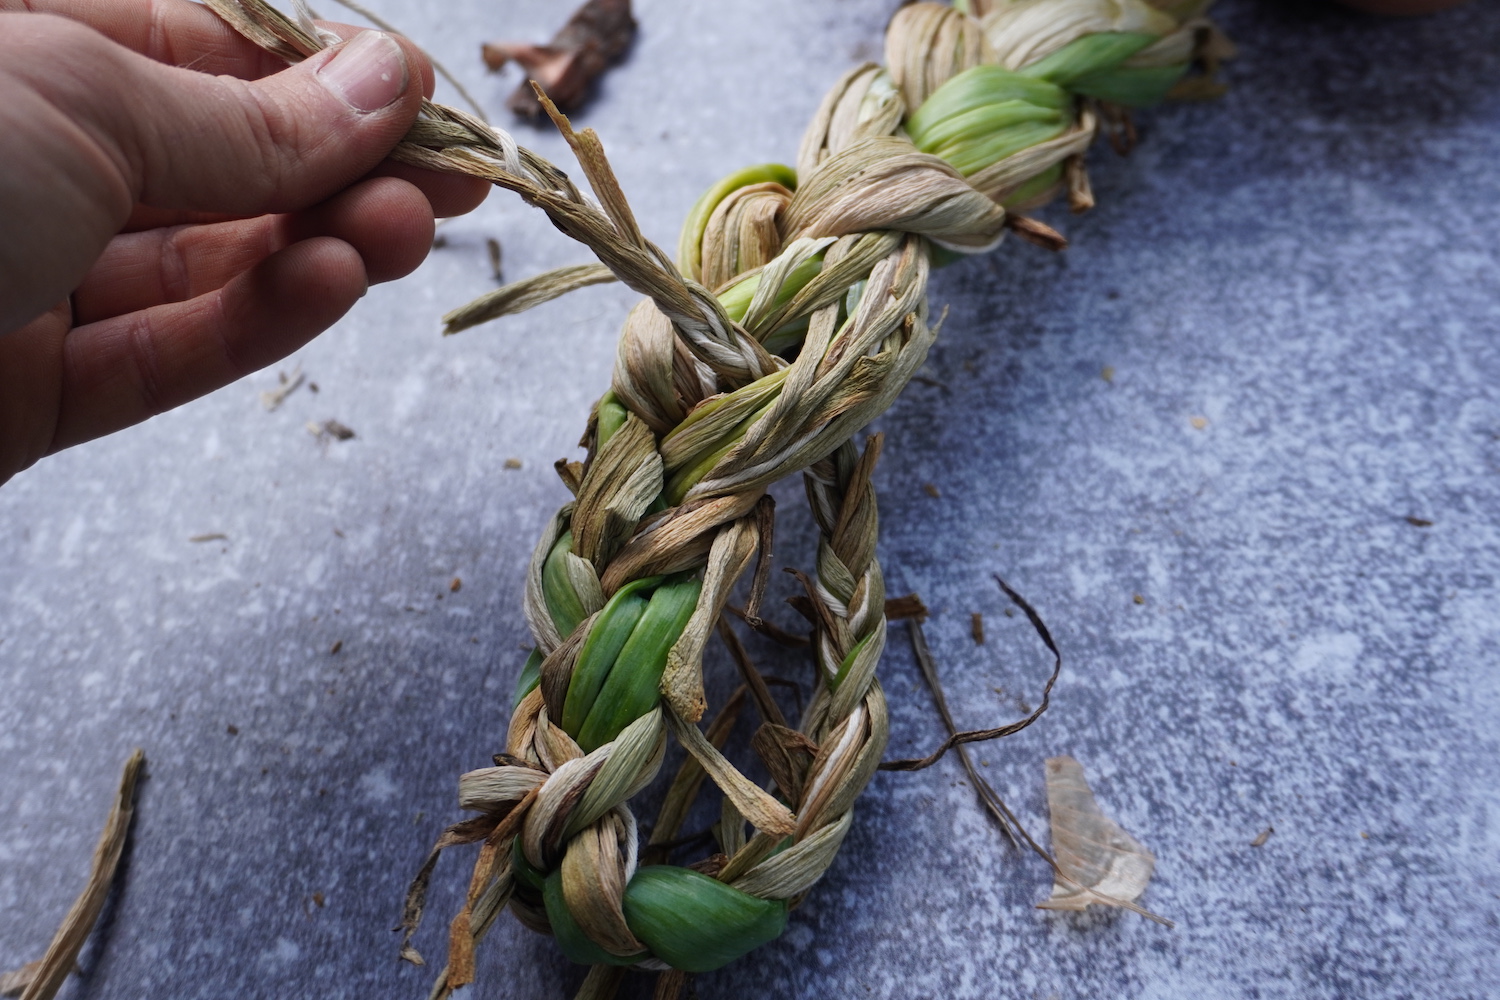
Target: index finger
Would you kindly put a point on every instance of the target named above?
(176, 32)
(179, 33)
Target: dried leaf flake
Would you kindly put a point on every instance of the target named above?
(1098, 862)
(595, 37)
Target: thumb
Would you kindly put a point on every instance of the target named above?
(186, 140)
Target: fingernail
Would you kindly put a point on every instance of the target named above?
(368, 73)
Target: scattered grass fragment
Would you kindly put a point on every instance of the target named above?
(273, 398)
(330, 429)
(492, 245)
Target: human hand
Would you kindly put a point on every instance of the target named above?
(164, 231)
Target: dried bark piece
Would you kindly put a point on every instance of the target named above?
(900, 608)
(595, 37)
(1101, 862)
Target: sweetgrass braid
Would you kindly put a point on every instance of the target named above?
(794, 315)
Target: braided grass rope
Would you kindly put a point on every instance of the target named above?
(795, 314)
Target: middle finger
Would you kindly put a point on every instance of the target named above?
(387, 220)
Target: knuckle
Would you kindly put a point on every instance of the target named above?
(145, 362)
(266, 128)
(175, 273)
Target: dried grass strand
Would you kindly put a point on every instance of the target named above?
(47, 976)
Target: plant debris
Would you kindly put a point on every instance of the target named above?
(957, 738)
(493, 246)
(1262, 837)
(1418, 522)
(40, 980)
(1102, 863)
(976, 628)
(455, 585)
(771, 630)
(1076, 177)
(512, 463)
(910, 606)
(1036, 233)
(289, 383)
(16, 980)
(594, 38)
(1009, 824)
(932, 491)
(334, 649)
(212, 536)
(330, 429)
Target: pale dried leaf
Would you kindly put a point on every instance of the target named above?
(1097, 861)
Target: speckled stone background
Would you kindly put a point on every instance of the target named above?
(1295, 294)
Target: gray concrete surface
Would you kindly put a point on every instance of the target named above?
(1309, 266)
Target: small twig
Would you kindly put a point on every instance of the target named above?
(770, 630)
(1037, 233)
(492, 245)
(987, 793)
(957, 739)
